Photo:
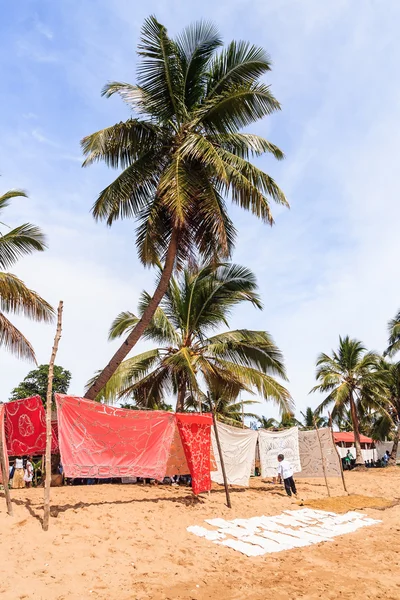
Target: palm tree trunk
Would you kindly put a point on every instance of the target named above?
(354, 418)
(393, 454)
(141, 326)
(180, 404)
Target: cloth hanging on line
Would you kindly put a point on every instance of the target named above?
(195, 432)
(3, 439)
(238, 450)
(310, 454)
(272, 443)
(101, 441)
(25, 427)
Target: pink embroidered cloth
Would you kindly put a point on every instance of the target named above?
(101, 441)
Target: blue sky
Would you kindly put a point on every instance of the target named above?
(329, 266)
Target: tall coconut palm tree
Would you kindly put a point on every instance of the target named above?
(394, 335)
(183, 152)
(189, 359)
(349, 375)
(15, 297)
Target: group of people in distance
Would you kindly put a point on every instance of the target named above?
(21, 473)
(349, 461)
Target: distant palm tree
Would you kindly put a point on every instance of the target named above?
(394, 335)
(195, 304)
(390, 373)
(183, 152)
(267, 423)
(15, 297)
(223, 399)
(288, 419)
(349, 375)
(310, 419)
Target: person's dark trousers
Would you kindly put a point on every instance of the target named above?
(290, 486)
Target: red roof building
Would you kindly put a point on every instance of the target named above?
(346, 438)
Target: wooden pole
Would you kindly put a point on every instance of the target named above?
(4, 471)
(49, 401)
(221, 458)
(338, 455)
(322, 457)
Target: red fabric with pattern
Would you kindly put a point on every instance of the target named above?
(100, 441)
(25, 427)
(195, 432)
(2, 433)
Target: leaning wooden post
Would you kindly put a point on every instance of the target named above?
(338, 455)
(322, 457)
(221, 458)
(49, 401)
(4, 470)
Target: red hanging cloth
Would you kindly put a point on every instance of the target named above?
(195, 432)
(100, 441)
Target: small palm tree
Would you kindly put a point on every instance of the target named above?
(310, 419)
(288, 420)
(349, 377)
(183, 152)
(195, 304)
(267, 422)
(223, 400)
(394, 335)
(15, 297)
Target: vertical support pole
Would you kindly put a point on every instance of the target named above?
(221, 458)
(4, 470)
(49, 401)
(322, 457)
(338, 455)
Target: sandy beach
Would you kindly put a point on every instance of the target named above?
(130, 542)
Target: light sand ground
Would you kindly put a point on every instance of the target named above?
(130, 542)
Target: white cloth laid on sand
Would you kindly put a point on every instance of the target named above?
(272, 443)
(238, 450)
(310, 454)
(262, 535)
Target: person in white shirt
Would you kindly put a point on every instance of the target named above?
(28, 474)
(285, 473)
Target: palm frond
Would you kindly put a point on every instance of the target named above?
(5, 198)
(254, 349)
(196, 46)
(17, 298)
(19, 242)
(14, 341)
(240, 62)
(128, 373)
(121, 144)
(237, 107)
(129, 193)
(159, 72)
